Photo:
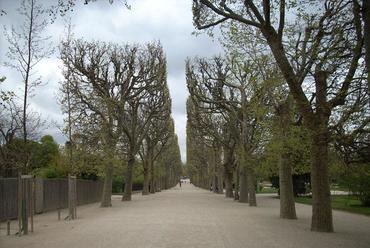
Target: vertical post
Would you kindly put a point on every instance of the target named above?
(32, 201)
(72, 196)
(25, 205)
(19, 204)
(75, 198)
(8, 227)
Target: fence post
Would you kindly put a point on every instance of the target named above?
(32, 201)
(8, 227)
(72, 192)
(75, 198)
(25, 205)
(19, 204)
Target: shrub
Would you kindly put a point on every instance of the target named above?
(357, 178)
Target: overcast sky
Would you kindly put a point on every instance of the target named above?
(169, 21)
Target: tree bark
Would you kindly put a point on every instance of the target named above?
(251, 181)
(366, 20)
(146, 178)
(237, 181)
(215, 184)
(287, 204)
(107, 187)
(218, 169)
(152, 179)
(128, 178)
(322, 219)
(243, 185)
(228, 178)
(220, 184)
(159, 184)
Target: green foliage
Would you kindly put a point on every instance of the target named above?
(341, 202)
(298, 147)
(47, 154)
(117, 182)
(43, 156)
(357, 177)
(50, 172)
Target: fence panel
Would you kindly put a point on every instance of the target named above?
(8, 198)
(51, 194)
(55, 194)
(89, 191)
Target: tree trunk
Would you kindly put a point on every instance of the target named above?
(366, 19)
(251, 181)
(128, 178)
(237, 181)
(146, 178)
(228, 178)
(287, 205)
(220, 184)
(159, 184)
(243, 185)
(152, 179)
(107, 187)
(322, 219)
(215, 184)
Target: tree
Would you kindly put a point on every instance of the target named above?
(26, 49)
(209, 124)
(366, 21)
(170, 162)
(235, 89)
(320, 53)
(10, 128)
(148, 97)
(66, 103)
(93, 91)
(161, 128)
(116, 91)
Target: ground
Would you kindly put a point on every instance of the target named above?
(189, 217)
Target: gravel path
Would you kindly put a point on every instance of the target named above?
(189, 217)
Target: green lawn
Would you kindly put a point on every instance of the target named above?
(267, 190)
(341, 202)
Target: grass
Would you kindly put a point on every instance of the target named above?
(341, 202)
(339, 187)
(267, 190)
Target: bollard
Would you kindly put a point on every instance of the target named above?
(8, 227)
(58, 214)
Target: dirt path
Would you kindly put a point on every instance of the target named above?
(189, 217)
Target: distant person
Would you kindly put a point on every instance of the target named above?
(180, 183)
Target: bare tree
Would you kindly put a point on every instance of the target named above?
(366, 20)
(160, 131)
(93, 90)
(149, 96)
(26, 49)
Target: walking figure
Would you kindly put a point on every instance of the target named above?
(180, 183)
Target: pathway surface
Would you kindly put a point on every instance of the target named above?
(189, 217)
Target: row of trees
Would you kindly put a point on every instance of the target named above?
(117, 99)
(290, 73)
(117, 106)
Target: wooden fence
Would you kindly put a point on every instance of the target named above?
(51, 194)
